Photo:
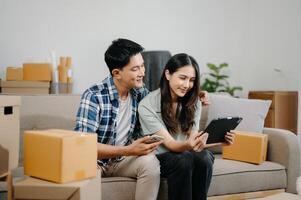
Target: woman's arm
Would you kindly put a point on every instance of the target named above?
(196, 141)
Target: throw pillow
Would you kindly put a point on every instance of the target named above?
(252, 111)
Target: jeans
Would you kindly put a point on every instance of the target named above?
(188, 174)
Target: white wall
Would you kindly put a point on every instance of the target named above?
(253, 36)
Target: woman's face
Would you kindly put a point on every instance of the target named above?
(181, 81)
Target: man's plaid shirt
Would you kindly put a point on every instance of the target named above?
(98, 111)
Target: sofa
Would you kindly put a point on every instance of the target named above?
(231, 179)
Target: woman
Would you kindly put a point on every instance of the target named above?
(173, 112)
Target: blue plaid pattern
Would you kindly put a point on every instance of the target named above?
(98, 111)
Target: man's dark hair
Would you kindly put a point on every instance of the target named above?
(119, 53)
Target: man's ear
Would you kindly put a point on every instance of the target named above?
(116, 73)
(167, 74)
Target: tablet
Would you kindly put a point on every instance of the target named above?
(218, 128)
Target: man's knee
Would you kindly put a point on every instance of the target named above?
(149, 164)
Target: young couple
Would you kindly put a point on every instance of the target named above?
(173, 111)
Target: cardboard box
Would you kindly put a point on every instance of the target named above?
(10, 127)
(25, 87)
(14, 73)
(59, 155)
(31, 188)
(4, 161)
(37, 71)
(247, 147)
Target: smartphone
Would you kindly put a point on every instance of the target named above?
(154, 138)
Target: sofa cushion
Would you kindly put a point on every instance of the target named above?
(236, 177)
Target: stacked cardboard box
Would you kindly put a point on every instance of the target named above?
(25, 87)
(32, 78)
(37, 72)
(32, 188)
(9, 127)
(14, 73)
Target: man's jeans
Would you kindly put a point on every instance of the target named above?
(188, 174)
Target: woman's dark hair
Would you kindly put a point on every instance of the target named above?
(187, 104)
(119, 53)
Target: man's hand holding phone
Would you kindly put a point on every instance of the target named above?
(153, 138)
(145, 145)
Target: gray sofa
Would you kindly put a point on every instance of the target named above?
(231, 179)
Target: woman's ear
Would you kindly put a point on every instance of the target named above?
(167, 74)
(116, 73)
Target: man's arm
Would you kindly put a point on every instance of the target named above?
(137, 148)
(87, 118)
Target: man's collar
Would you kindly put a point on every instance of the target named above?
(113, 92)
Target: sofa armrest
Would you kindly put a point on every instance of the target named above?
(283, 148)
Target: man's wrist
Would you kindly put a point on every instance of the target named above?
(126, 151)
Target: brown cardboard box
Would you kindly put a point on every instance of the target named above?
(25, 87)
(37, 71)
(10, 126)
(247, 147)
(14, 73)
(4, 160)
(32, 188)
(59, 155)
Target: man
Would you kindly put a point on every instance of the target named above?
(110, 110)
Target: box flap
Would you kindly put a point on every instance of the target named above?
(8, 100)
(59, 133)
(251, 134)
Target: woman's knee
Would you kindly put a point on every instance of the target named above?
(184, 161)
(204, 158)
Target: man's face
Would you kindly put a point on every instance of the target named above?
(132, 74)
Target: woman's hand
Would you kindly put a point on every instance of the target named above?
(229, 138)
(197, 141)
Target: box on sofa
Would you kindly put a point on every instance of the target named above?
(247, 147)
